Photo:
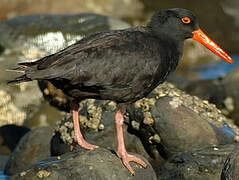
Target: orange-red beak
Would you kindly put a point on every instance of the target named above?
(199, 36)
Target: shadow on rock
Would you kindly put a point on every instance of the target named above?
(11, 135)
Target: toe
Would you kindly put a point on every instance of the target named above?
(127, 165)
(85, 144)
(126, 158)
(88, 146)
(137, 160)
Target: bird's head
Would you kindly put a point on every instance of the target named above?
(181, 24)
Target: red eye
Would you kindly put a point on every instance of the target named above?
(186, 20)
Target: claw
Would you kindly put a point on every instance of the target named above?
(126, 158)
(84, 144)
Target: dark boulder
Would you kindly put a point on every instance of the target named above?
(206, 163)
(33, 147)
(83, 165)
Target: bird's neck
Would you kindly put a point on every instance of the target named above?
(170, 52)
(164, 30)
(170, 47)
(173, 47)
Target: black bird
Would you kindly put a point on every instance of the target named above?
(119, 65)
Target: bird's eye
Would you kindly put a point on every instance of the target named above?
(186, 20)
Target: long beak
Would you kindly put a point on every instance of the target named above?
(199, 36)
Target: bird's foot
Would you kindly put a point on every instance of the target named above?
(126, 158)
(84, 144)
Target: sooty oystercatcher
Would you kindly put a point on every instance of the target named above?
(119, 65)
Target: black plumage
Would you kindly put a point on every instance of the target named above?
(113, 65)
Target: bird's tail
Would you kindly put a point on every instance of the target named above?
(20, 69)
(19, 79)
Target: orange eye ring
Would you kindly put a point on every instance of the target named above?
(186, 20)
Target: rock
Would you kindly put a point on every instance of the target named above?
(10, 136)
(180, 128)
(230, 169)
(81, 165)
(206, 163)
(58, 147)
(33, 147)
(171, 121)
(97, 126)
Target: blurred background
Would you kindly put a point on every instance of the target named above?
(31, 29)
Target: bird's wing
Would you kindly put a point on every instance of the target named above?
(98, 40)
(57, 64)
(107, 60)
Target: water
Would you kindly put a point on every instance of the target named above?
(3, 176)
(219, 69)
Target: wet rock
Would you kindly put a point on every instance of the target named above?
(206, 163)
(10, 135)
(97, 164)
(230, 169)
(33, 147)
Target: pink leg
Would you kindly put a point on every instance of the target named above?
(78, 138)
(126, 158)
